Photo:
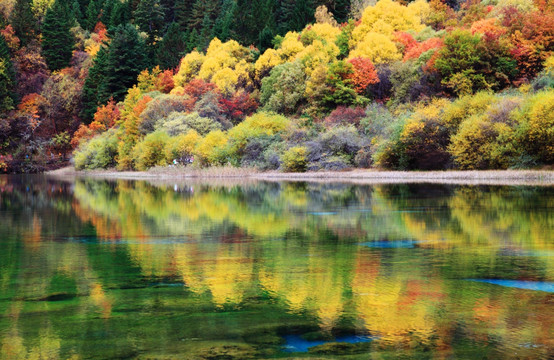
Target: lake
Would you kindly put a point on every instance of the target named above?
(96, 269)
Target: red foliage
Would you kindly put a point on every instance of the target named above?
(11, 39)
(107, 115)
(345, 116)
(364, 74)
(29, 108)
(165, 81)
(239, 106)
(197, 88)
(419, 48)
(406, 39)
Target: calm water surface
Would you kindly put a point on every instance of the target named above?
(94, 269)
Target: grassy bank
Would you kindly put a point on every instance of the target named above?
(492, 177)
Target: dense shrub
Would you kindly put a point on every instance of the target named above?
(97, 153)
(150, 151)
(294, 159)
(212, 149)
(482, 144)
(283, 90)
(161, 107)
(180, 123)
(343, 115)
(181, 147)
(536, 122)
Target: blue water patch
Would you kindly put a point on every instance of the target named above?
(323, 213)
(520, 284)
(395, 244)
(295, 343)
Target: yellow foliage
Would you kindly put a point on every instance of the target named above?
(325, 32)
(396, 17)
(225, 64)
(181, 145)
(290, 46)
(317, 54)
(549, 64)
(190, 66)
(225, 80)
(212, 149)
(537, 118)
(267, 61)
(377, 47)
(467, 106)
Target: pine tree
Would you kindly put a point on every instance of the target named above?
(200, 10)
(193, 40)
(149, 17)
(172, 47)
(57, 43)
(183, 13)
(77, 13)
(7, 78)
(247, 25)
(93, 14)
(23, 21)
(121, 14)
(206, 34)
(92, 85)
(303, 13)
(124, 61)
(340, 9)
(223, 23)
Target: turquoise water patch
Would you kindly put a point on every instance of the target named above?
(520, 284)
(396, 244)
(295, 343)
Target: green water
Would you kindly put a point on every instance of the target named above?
(94, 269)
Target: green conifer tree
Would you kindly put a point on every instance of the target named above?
(183, 13)
(57, 42)
(172, 47)
(92, 85)
(23, 21)
(124, 61)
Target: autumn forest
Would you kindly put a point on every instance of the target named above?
(282, 85)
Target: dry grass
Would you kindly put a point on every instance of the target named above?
(492, 177)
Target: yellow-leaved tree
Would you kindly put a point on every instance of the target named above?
(373, 38)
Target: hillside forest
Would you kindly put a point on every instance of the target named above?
(289, 85)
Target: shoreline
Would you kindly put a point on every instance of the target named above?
(473, 177)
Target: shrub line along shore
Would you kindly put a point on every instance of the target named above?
(485, 177)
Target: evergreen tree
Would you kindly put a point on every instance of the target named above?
(107, 10)
(149, 17)
(200, 10)
(121, 14)
(223, 23)
(23, 21)
(93, 14)
(183, 13)
(265, 39)
(207, 33)
(7, 78)
(169, 10)
(57, 43)
(124, 61)
(77, 13)
(193, 40)
(92, 85)
(6, 88)
(295, 14)
(172, 47)
(247, 25)
(341, 10)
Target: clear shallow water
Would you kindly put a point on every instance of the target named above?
(99, 270)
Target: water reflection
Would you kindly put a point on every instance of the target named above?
(98, 269)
